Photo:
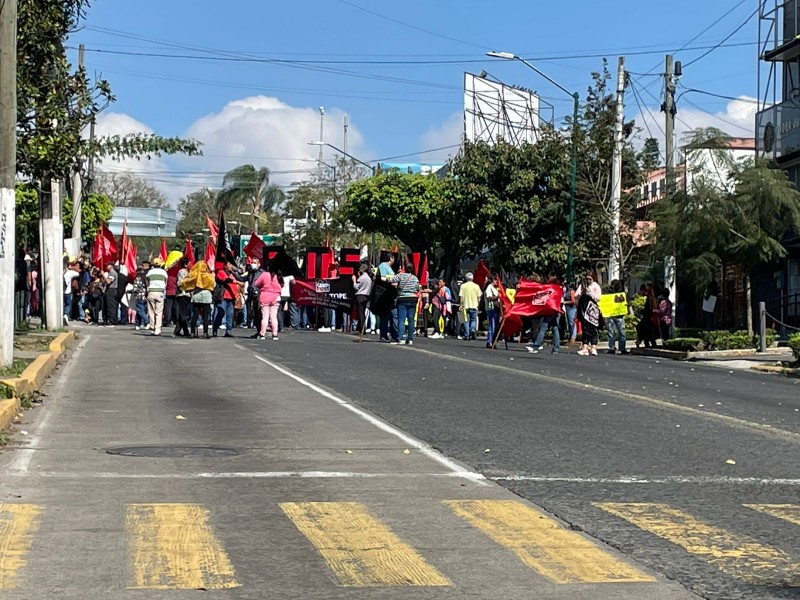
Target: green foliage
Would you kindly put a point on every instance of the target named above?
(247, 189)
(689, 332)
(738, 340)
(127, 189)
(794, 344)
(683, 344)
(650, 155)
(6, 392)
(95, 210)
(193, 210)
(636, 305)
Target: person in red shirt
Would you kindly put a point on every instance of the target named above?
(225, 278)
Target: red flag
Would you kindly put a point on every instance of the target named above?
(188, 252)
(210, 253)
(482, 273)
(420, 262)
(536, 300)
(213, 229)
(130, 258)
(255, 247)
(512, 324)
(163, 254)
(105, 247)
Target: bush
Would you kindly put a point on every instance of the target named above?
(6, 391)
(683, 344)
(794, 344)
(689, 332)
(637, 305)
(738, 340)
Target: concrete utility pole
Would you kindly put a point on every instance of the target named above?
(670, 111)
(8, 169)
(345, 134)
(321, 130)
(77, 181)
(51, 245)
(615, 262)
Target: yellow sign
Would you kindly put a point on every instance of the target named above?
(613, 305)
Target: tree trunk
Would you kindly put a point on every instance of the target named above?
(748, 292)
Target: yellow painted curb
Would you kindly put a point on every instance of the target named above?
(62, 341)
(8, 411)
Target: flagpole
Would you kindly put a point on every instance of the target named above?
(499, 329)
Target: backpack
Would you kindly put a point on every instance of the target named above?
(218, 295)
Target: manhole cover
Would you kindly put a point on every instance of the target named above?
(174, 451)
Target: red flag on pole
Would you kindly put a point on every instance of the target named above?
(163, 254)
(209, 256)
(482, 273)
(188, 252)
(213, 229)
(255, 247)
(105, 247)
(130, 258)
(536, 300)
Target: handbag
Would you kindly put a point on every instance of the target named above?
(218, 295)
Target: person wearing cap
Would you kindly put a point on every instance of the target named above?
(156, 287)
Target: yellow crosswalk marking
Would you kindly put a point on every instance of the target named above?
(17, 523)
(736, 555)
(360, 550)
(541, 543)
(172, 547)
(787, 512)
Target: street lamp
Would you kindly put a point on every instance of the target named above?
(574, 177)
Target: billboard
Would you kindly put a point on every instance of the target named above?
(495, 111)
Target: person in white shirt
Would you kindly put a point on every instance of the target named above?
(70, 274)
(286, 303)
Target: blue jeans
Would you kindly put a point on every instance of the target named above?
(225, 309)
(294, 315)
(549, 323)
(406, 309)
(68, 305)
(493, 317)
(141, 313)
(471, 323)
(388, 325)
(616, 329)
(572, 312)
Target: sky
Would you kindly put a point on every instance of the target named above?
(247, 79)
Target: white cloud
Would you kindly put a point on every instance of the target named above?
(737, 120)
(447, 133)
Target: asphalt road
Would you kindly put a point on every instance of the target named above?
(486, 474)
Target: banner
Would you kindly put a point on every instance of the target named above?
(613, 305)
(326, 293)
(420, 262)
(317, 262)
(254, 247)
(536, 300)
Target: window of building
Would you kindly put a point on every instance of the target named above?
(654, 189)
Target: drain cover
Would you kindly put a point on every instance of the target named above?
(174, 451)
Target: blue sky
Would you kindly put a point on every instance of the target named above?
(260, 70)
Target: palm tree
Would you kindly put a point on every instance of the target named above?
(245, 189)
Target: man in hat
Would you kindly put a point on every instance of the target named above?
(156, 287)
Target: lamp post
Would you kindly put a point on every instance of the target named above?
(574, 175)
(361, 162)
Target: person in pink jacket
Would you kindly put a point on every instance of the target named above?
(269, 286)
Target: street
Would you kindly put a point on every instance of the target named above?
(319, 467)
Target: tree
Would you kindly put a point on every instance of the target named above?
(762, 210)
(55, 104)
(127, 189)
(650, 156)
(193, 210)
(245, 189)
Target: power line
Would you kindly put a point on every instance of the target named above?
(740, 98)
(420, 153)
(725, 39)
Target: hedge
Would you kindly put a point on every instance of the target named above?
(738, 340)
(794, 344)
(683, 344)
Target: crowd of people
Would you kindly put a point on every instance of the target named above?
(194, 301)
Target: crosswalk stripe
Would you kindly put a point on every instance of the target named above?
(173, 547)
(17, 524)
(359, 549)
(786, 512)
(541, 543)
(737, 555)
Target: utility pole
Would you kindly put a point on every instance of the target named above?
(345, 134)
(670, 111)
(615, 262)
(77, 181)
(321, 130)
(51, 245)
(8, 169)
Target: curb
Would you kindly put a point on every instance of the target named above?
(33, 377)
(785, 371)
(660, 353)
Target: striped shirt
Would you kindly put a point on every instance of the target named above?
(156, 280)
(407, 285)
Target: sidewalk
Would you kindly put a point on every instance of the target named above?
(235, 473)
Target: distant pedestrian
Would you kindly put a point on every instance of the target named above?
(588, 295)
(491, 297)
(616, 322)
(140, 299)
(470, 294)
(407, 299)
(664, 311)
(442, 308)
(183, 308)
(200, 283)
(648, 326)
(112, 306)
(227, 281)
(363, 288)
(156, 287)
(269, 285)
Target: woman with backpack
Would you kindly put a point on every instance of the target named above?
(269, 286)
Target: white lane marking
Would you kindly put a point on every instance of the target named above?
(23, 455)
(762, 428)
(252, 475)
(635, 480)
(383, 426)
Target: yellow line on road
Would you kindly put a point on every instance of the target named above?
(541, 543)
(359, 549)
(172, 547)
(737, 555)
(787, 512)
(17, 523)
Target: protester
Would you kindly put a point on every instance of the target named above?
(648, 325)
(408, 288)
(469, 295)
(442, 308)
(269, 287)
(492, 301)
(200, 284)
(388, 320)
(226, 282)
(588, 295)
(363, 288)
(548, 323)
(128, 303)
(664, 312)
(156, 286)
(616, 322)
(253, 306)
(140, 297)
(288, 307)
(97, 291)
(70, 286)
(182, 301)
(111, 278)
(570, 311)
